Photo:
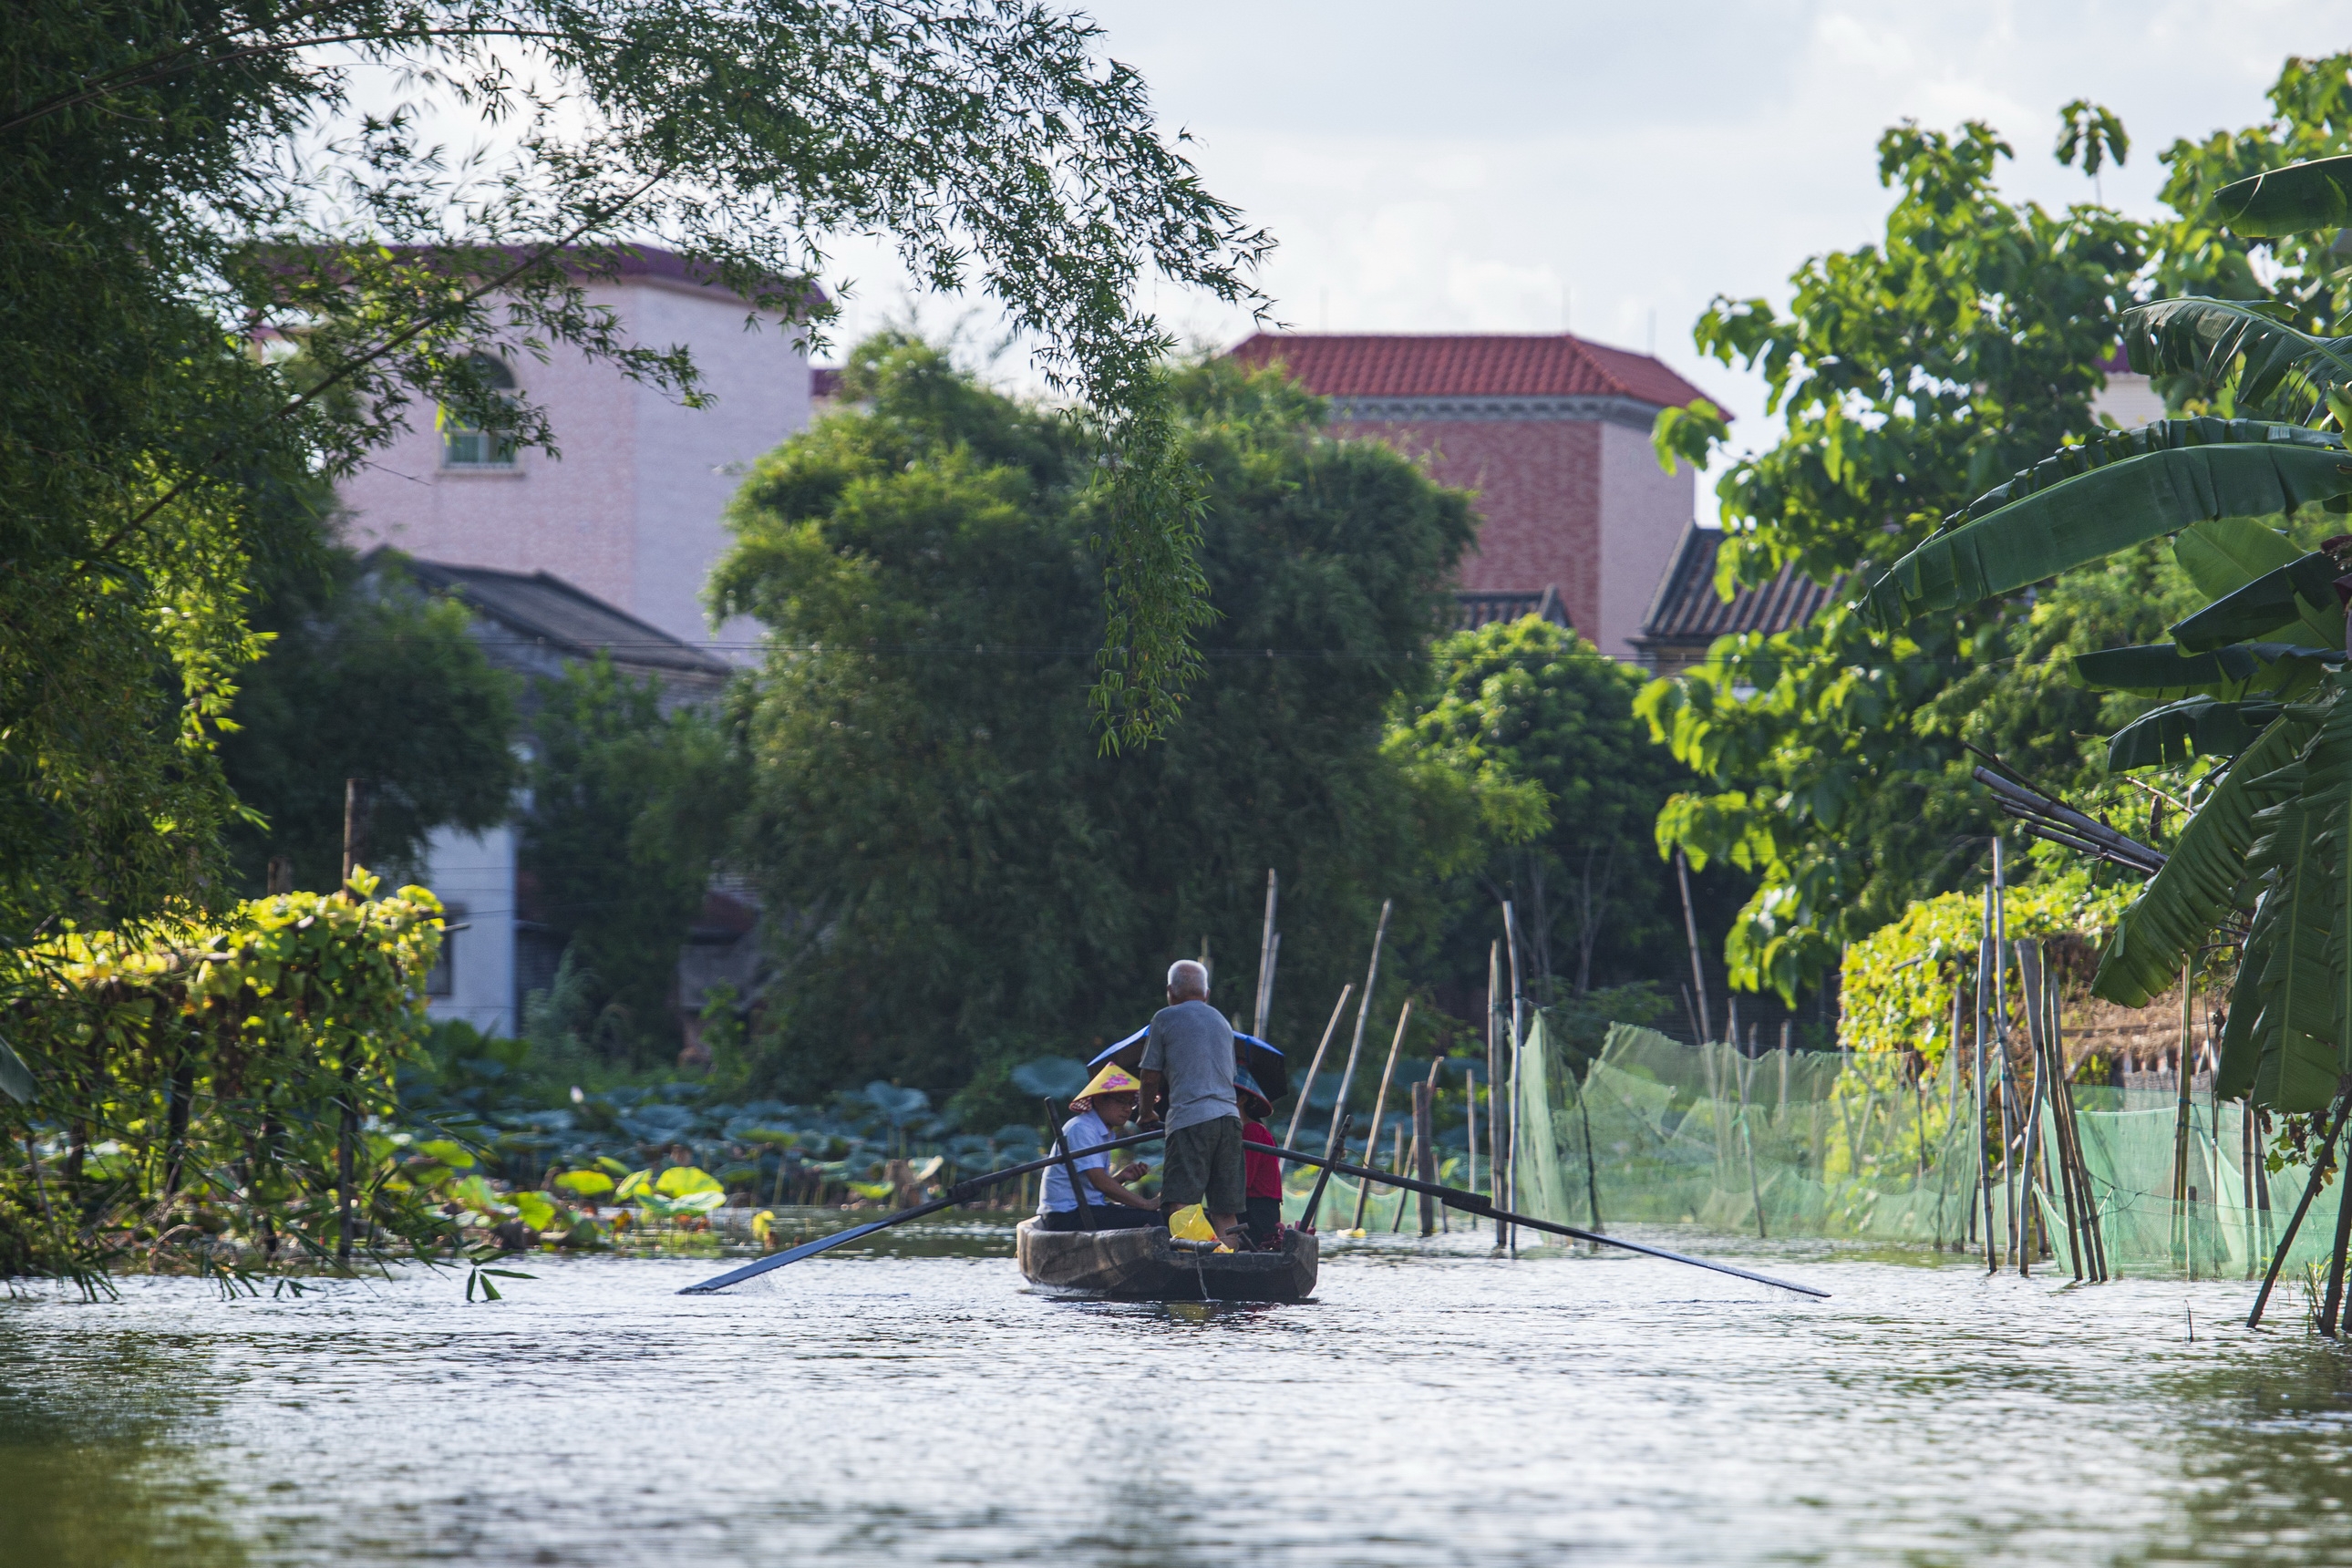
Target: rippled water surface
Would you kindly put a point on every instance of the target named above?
(1434, 1406)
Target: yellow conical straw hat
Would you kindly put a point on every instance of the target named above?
(1113, 1080)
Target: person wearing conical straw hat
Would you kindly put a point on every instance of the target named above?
(1107, 1102)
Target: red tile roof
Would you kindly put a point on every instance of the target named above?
(1465, 364)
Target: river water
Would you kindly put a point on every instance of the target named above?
(1433, 1405)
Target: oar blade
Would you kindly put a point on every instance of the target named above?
(791, 1255)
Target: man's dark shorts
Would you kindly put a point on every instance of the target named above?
(1205, 1166)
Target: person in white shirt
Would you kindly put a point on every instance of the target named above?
(1108, 1104)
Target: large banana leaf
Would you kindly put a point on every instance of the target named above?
(2223, 557)
(2118, 445)
(2199, 885)
(2240, 1056)
(2161, 670)
(2297, 199)
(2290, 946)
(2300, 597)
(2113, 507)
(2275, 366)
(2197, 727)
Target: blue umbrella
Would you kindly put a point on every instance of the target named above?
(1260, 1060)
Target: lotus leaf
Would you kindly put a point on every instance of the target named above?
(874, 1190)
(609, 1167)
(536, 1209)
(636, 1183)
(898, 1106)
(1057, 1076)
(683, 1181)
(448, 1151)
(584, 1184)
(475, 1193)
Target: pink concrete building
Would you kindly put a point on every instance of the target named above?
(629, 513)
(1552, 432)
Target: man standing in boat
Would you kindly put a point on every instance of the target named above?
(1188, 1066)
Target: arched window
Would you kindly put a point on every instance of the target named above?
(462, 446)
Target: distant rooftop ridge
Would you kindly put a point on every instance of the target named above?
(1352, 365)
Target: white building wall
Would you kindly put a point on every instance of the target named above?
(472, 874)
(2128, 400)
(1643, 510)
(630, 508)
(690, 462)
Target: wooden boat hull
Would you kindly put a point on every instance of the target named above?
(1147, 1265)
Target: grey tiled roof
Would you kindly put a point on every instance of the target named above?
(1688, 613)
(544, 612)
(1474, 610)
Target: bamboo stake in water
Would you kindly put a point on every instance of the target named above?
(2009, 1130)
(1424, 1138)
(1372, 1138)
(2183, 1220)
(2029, 998)
(1267, 944)
(2321, 1160)
(1470, 1110)
(1690, 930)
(1984, 1166)
(1511, 1142)
(1494, 1077)
(1290, 1138)
(1398, 1155)
(1356, 1046)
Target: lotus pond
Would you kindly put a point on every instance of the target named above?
(915, 1404)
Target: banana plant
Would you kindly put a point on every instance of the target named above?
(2258, 677)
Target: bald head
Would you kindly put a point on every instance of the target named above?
(1188, 981)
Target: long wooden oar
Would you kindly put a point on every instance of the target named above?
(1473, 1203)
(963, 1191)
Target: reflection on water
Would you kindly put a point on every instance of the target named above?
(919, 1406)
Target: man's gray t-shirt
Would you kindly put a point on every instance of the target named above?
(1193, 1046)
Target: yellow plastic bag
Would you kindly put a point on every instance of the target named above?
(1191, 1223)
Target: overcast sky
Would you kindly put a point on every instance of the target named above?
(1497, 166)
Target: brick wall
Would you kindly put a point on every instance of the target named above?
(1538, 484)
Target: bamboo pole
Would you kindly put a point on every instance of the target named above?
(1399, 1153)
(1268, 944)
(2009, 1130)
(2321, 1163)
(1494, 1077)
(2029, 995)
(1380, 1102)
(1690, 930)
(2051, 1068)
(1356, 1046)
(1509, 1237)
(1424, 1132)
(355, 849)
(2183, 1221)
(1470, 1112)
(2093, 1228)
(2330, 1307)
(1290, 1138)
(1983, 1107)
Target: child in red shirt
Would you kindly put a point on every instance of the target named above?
(1261, 1173)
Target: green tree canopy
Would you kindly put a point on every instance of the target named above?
(364, 676)
(628, 811)
(967, 882)
(1915, 374)
(1571, 783)
(181, 176)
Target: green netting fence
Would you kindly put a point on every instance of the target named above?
(1861, 1147)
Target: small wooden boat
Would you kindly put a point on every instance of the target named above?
(1146, 1264)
